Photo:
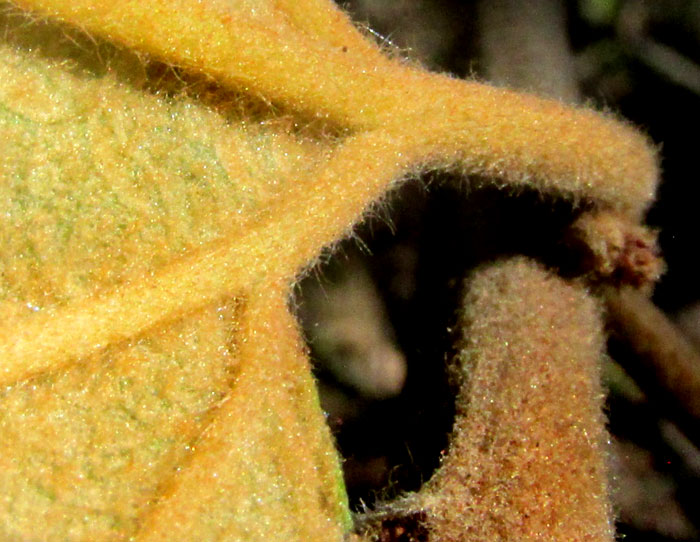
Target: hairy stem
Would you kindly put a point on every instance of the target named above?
(526, 460)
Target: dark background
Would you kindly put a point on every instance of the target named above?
(638, 59)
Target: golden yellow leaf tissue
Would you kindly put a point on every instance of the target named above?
(168, 168)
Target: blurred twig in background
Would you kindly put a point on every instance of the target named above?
(556, 48)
